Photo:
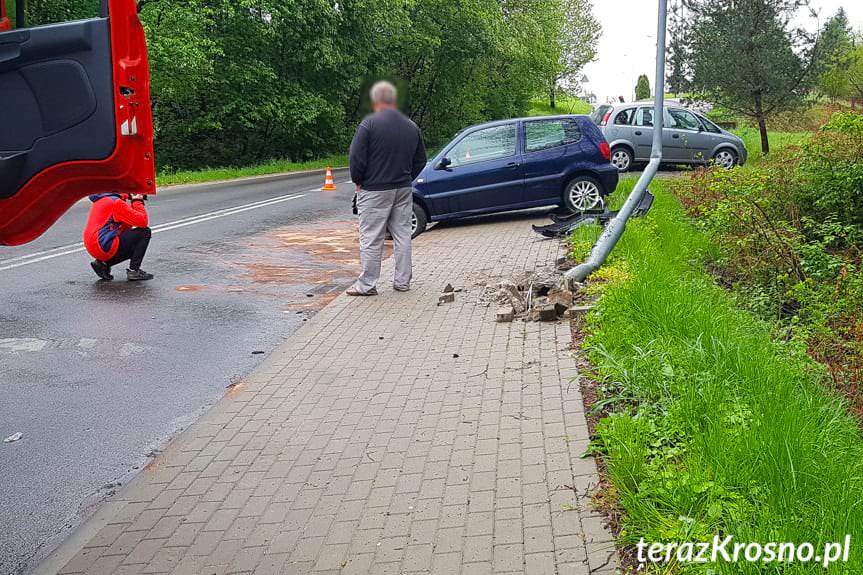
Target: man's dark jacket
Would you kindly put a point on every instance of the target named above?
(388, 151)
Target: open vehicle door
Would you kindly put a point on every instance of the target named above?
(75, 116)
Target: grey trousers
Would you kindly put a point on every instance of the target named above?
(379, 211)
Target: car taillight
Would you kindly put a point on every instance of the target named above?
(605, 150)
(605, 118)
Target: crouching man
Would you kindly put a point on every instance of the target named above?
(117, 231)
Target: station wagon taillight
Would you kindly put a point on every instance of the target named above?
(605, 150)
(605, 118)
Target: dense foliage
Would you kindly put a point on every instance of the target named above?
(790, 232)
(237, 82)
(715, 427)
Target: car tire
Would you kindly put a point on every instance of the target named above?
(725, 158)
(622, 158)
(583, 193)
(419, 220)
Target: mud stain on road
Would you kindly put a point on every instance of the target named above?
(323, 258)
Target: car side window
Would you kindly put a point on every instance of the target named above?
(709, 126)
(625, 117)
(683, 120)
(545, 134)
(644, 117)
(483, 145)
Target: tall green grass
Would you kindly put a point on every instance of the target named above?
(752, 139)
(714, 428)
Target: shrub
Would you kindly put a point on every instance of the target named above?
(789, 234)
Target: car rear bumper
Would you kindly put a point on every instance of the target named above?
(608, 178)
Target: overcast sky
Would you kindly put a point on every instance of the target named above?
(628, 44)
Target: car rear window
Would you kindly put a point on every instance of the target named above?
(599, 113)
(545, 134)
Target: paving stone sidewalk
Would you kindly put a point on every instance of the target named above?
(388, 435)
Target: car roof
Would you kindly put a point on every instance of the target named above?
(642, 103)
(525, 119)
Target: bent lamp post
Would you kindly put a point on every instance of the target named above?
(614, 230)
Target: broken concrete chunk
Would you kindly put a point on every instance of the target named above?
(505, 314)
(448, 297)
(561, 299)
(448, 288)
(547, 313)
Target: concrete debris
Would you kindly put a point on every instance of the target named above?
(580, 309)
(448, 288)
(561, 299)
(447, 297)
(14, 437)
(539, 295)
(505, 314)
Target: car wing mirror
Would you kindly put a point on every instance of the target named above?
(443, 164)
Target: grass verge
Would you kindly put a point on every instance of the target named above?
(712, 427)
(563, 105)
(274, 167)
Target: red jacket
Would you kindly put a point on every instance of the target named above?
(109, 217)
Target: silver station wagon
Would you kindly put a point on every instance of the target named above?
(688, 137)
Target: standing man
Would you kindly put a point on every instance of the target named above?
(386, 155)
(117, 231)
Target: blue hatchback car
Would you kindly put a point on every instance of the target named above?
(516, 164)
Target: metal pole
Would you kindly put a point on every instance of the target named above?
(612, 232)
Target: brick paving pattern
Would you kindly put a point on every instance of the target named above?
(388, 435)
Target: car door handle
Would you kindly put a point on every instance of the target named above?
(675, 136)
(513, 165)
(638, 132)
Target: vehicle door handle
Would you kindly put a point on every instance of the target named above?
(512, 165)
(675, 136)
(638, 132)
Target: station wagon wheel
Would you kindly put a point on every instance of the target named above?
(582, 194)
(621, 158)
(725, 158)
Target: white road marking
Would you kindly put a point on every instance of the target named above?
(57, 252)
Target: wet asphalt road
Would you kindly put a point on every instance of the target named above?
(98, 375)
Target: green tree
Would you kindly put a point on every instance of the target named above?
(833, 57)
(747, 56)
(678, 54)
(578, 32)
(240, 81)
(642, 88)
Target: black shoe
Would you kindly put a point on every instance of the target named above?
(138, 275)
(102, 270)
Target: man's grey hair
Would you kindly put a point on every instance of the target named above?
(383, 92)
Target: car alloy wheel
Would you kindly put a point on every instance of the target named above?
(725, 159)
(413, 224)
(583, 194)
(621, 159)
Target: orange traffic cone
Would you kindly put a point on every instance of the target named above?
(329, 184)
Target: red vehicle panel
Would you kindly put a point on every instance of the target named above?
(89, 127)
